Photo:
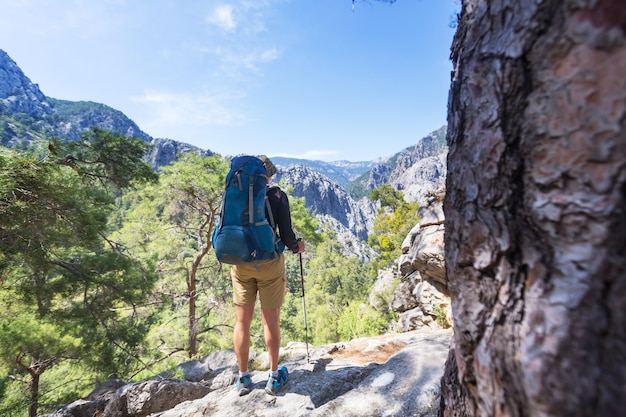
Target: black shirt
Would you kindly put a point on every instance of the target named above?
(281, 214)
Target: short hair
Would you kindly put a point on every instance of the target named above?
(270, 169)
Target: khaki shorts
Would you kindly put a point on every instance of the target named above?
(269, 281)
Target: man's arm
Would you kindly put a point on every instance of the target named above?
(282, 216)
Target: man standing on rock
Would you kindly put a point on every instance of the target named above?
(268, 279)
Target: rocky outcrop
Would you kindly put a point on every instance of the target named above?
(351, 220)
(422, 178)
(166, 151)
(385, 285)
(326, 197)
(17, 92)
(392, 375)
(341, 172)
(422, 297)
(415, 170)
(377, 176)
(45, 116)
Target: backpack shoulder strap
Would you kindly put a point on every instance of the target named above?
(270, 214)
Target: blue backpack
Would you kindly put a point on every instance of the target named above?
(242, 233)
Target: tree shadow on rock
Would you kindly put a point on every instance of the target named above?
(325, 382)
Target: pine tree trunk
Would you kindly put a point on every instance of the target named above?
(34, 369)
(535, 209)
(193, 321)
(34, 394)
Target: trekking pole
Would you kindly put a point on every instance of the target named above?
(306, 330)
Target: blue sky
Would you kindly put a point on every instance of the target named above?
(302, 78)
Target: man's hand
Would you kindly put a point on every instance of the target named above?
(300, 246)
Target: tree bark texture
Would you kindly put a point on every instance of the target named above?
(535, 209)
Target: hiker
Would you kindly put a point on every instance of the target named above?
(268, 278)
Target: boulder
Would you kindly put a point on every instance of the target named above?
(422, 297)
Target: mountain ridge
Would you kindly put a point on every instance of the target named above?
(26, 114)
(392, 170)
(343, 172)
(19, 95)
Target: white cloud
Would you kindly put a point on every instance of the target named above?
(269, 54)
(188, 109)
(250, 59)
(250, 47)
(223, 17)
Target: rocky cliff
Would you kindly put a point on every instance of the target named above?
(165, 151)
(18, 93)
(422, 298)
(420, 179)
(418, 282)
(341, 172)
(351, 220)
(415, 171)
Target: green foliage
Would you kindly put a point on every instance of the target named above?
(333, 282)
(344, 277)
(393, 222)
(440, 315)
(29, 336)
(14, 395)
(360, 320)
(66, 290)
(388, 196)
(303, 222)
(108, 158)
(171, 222)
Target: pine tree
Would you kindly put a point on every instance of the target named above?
(67, 293)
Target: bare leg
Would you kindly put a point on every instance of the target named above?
(241, 335)
(271, 328)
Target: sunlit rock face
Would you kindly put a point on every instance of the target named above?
(17, 92)
(393, 375)
(351, 220)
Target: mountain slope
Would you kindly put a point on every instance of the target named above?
(27, 114)
(341, 172)
(398, 170)
(351, 220)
